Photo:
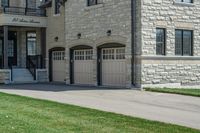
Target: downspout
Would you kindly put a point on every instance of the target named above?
(133, 3)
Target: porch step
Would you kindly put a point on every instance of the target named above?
(22, 75)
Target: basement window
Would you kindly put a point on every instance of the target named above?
(185, 1)
(92, 2)
(184, 42)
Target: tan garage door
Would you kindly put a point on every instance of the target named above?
(58, 66)
(83, 67)
(113, 67)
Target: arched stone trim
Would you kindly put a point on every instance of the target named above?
(111, 40)
(79, 42)
(81, 47)
(57, 47)
(50, 60)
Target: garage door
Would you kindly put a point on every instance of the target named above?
(113, 67)
(58, 66)
(83, 66)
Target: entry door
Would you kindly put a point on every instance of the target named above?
(83, 67)
(113, 67)
(58, 62)
(12, 48)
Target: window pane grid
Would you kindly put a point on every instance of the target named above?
(183, 42)
(83, 55)
(160, 41)
(92, 2)
(58, 55)
(185, 1)
(113, 54)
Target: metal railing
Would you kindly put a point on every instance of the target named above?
(34, 63)
(23, 11)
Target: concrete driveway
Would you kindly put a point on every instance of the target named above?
(175, 109)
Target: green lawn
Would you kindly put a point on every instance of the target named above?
(189, 92)
(27, 115)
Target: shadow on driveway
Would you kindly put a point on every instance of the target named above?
(55, 87)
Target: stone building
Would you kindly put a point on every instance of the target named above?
(169, 37)
(120, 43)
(22, 41)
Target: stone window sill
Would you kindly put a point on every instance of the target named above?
(170, 57)
(94, 7)
(184, 4)
(56, 15)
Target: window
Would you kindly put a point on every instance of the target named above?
(185, 1)
(58, 55)
(113, 53)
(83, 54)
(31, 43)
(4, 3)
(10, 48)
(183, 42)
(31, 4)
(160, 41)
(92, 2)
(57, 6)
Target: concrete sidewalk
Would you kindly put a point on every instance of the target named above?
(175, 109)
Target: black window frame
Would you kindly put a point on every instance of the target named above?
(27, 41)
(192, 1)
(163, 50)
(89, 3)
(57, 7)
(8, 4)
(182, 42)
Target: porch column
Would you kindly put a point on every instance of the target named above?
(5, 47)
(43, 47)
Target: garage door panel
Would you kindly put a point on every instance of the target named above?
(58, 63)
(113, 67)
(83, 67)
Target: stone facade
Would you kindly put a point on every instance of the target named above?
(5, 76)
(184, 70)
(56, 29)
(42, 75)
(19, 21)
(93, 22)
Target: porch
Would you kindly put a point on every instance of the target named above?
(22, 54)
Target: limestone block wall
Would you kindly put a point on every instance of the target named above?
(183, 72)
(42, 75)
(93, 22)
(5, 76)
(56, 29)
(170, 68)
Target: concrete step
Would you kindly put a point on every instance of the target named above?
(22, 75)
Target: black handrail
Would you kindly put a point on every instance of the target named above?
(23, 11)
(34, 63)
